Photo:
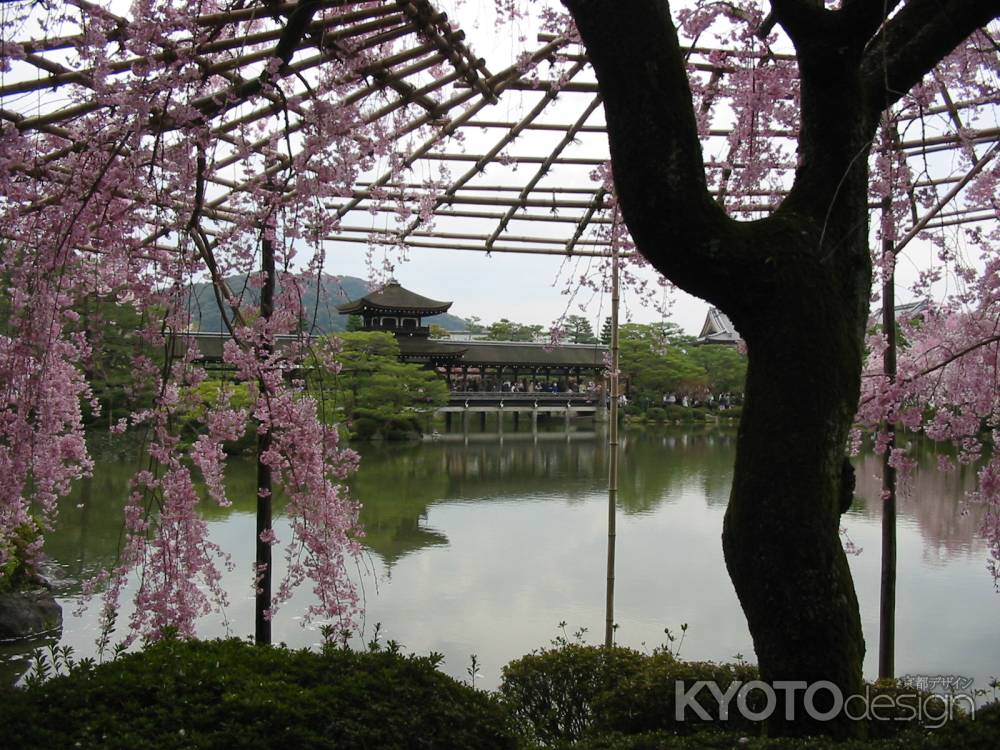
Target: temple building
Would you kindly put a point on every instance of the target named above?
(718, 329)
(394, 309)
(476, 365)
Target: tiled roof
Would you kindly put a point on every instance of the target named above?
(508, 353)
(718, 329)
(904, 312)
(394, 297)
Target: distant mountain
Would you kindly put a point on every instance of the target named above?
(333, 291)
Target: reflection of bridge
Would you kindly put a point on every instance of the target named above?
(483, 403)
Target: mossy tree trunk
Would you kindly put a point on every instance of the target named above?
(795, 284)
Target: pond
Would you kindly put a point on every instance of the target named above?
(482, 545)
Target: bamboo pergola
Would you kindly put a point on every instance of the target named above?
(511, 160)
(502, 160)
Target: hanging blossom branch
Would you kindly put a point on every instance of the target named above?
(162, 164)
(948, 381)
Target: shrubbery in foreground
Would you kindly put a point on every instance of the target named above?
(233, 695)
(593, 698)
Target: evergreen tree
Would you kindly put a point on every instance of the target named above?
(606, 332)
(374, 386)
(508, 330)
(578, 330)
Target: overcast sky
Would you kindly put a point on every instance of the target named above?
(524, 288)
(527, 288)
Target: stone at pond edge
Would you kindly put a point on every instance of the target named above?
(28, 613)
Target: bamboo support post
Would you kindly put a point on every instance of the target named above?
(887, 605)
(609, 606)
(264, 570)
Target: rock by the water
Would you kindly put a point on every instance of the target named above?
(28, 613)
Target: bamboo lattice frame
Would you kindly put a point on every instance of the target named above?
(497, 195)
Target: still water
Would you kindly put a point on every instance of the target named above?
(482, 546)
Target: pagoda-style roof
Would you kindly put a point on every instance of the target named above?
(394, 298)
(718, 329)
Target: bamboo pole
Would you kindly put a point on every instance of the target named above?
(264, 570)
(486, 159)
(498, 80)
(609, 607)
(543, 170)
(448, 42)
(955, 190)
(498, 84)
(481, 248)
(887, 605)
(508, 202)
(578, 161)
(595, 204)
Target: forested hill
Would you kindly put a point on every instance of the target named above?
(334, 290)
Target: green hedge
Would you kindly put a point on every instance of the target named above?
(366, 424)
(678, 413)
(645, 700)
(551, 693)
(594, 698)
(963, 734)
(230, 694)
(570, 691)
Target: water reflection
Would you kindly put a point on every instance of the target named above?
(947, 523)
(481, 545)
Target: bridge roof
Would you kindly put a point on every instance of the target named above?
(394, 298)
(492, 353)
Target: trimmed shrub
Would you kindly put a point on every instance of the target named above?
(656, 414)
(363, 428)
(621, 698)
(551, 693)
(980, 733)
(903, 708)
(230, 694)
(678, 413)
(402, 428)
(646, 700)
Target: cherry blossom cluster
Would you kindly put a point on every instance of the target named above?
(178, 140)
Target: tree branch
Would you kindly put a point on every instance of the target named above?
(915, 40)
(810, 25)
(653, 136)
(865, 17)
(802, 20)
